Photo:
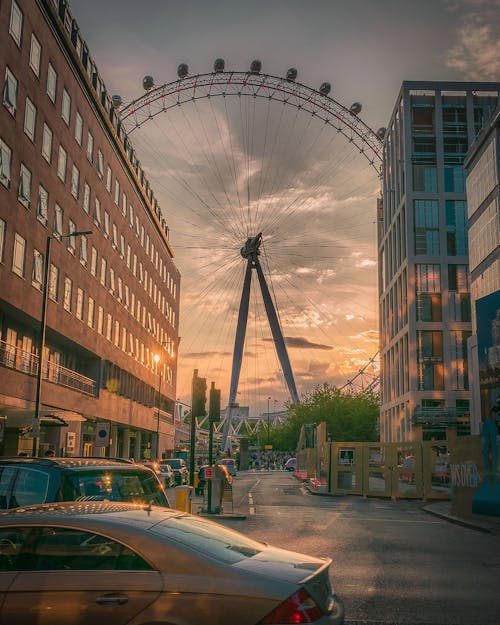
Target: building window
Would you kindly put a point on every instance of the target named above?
(35, 55)
(430, 361)
(120, 289)
(456, 228)
(42, 207)
(122, 246)
(16, 23)
(106, 224)
(90, 147)
(100, 164)
(90, 314)
(97, 212)
(83, 249)
(117, 333)
(109, 326)
(75, 181)
(68, 290)
(124, 205)
(58, 221)
(112, 280)
(458, 361)
(459, 293)
(428, 292)
(24, 192)
(37, 274)
(51, 82)
(10, 91)
(2, 238)
(54, 283)
(71, 240)
(117, 192)
(103, 271)
(129, 251)
(93, 261)
(19, 255)
(61, 164)
(47, 143)
(426, 216)
(454, 179)
(66, 107)
(30, 119)
(131, 216)
(115, 236)
(78, 128)
(80, 300)
(100, 319)
(108, 179)
(86, 198)
(5, 160)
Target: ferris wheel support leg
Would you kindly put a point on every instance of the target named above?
(279, 341)
(239, 342)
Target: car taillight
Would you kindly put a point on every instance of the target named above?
(299, 608)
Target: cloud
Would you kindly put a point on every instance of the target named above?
(476, 54)
(302, 343)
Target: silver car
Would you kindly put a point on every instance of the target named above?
(120, 563)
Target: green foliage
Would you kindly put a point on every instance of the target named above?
(349, 416)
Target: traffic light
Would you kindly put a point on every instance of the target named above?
(199, 398)
(214, 404)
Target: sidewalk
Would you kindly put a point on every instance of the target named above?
(441, 509)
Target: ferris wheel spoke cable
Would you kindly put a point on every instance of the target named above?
(214, 167)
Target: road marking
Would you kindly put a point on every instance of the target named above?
(252, 510)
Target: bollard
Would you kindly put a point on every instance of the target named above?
(184, 498)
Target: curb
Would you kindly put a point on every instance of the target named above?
(458, 521)
(222, 515)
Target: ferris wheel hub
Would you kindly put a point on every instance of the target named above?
(252, 246)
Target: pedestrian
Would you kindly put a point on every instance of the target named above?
(50, 453)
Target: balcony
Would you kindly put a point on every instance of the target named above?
(26, 362)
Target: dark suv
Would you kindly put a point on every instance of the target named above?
(27, 481)
(181, 473)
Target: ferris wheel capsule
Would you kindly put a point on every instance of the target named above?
(182, 70)
(356, 108)
(219, 65)
(381, 133)
(148, 83)
(117, 101)
(291, 74)
(325, 88)
(255, 66)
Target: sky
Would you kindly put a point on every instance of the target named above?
(222, 169)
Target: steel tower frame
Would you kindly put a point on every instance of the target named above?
(251, 251)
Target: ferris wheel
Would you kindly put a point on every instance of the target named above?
(263, 175)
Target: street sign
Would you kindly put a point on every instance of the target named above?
(209, 473)
(268, 447)
(102, 434)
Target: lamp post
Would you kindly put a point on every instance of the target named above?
(41, 338)
(157, 360)
(268, 419)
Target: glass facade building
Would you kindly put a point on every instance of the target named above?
(423, 247)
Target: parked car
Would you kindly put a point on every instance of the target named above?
(178, 466)
(163, 471)
(119, 563)
(291, 464)
(25, 481)
(230, 464)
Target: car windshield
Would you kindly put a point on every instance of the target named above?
(134, 486)
(213, 540)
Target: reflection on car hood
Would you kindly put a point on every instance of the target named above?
(282, 564)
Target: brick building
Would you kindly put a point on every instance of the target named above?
(67, 166)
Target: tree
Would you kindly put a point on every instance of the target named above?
(350, 417)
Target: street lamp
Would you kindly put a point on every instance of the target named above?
(157, 360)
(41, 338)
(268, 419)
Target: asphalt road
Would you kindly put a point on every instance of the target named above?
(393, 562)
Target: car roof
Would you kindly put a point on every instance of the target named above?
(114, 513)
(71, 463)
